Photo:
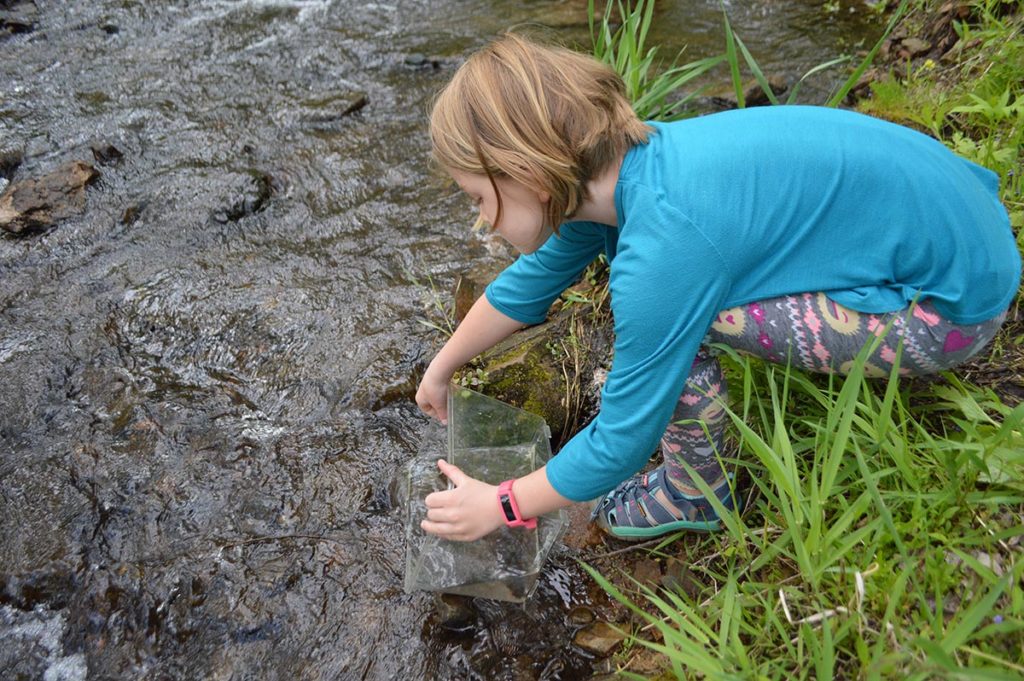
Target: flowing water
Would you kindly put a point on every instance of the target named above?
(206, 377)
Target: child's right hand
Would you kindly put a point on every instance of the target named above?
(432, 396)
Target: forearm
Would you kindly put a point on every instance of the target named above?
(535, 496)
(482, 328)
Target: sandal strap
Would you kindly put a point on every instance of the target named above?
(636, 504)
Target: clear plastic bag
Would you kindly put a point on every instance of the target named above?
(490, 441)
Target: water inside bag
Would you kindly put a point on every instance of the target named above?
(490, 441)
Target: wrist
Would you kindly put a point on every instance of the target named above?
(440, 370)
(509, 507)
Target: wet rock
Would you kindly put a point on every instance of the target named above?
(724, 97)
(754, 94)
(546, 369)
(580, 616)
(600, 638)
(471, 285)
(38, 204)
(132, 214)
(420, 61)
(10, 159)
(106, 154)
(333, 109)
(523, 371)
(253, 195)
(18, 16)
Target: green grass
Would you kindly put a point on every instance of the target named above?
(659, 92)
(974, 102)
(881, 540)
(885, 519)
(656, 91)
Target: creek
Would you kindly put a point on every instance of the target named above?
(206, 376)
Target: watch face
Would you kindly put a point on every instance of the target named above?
(506, 507)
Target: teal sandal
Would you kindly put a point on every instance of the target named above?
(633, 512)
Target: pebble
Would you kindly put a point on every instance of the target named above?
(580, 616)
(600, 638)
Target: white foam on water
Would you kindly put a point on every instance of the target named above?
(45, 629)
(12, 346)
(218, 9)
(70, 668)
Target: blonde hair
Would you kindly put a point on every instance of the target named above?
(548, 118)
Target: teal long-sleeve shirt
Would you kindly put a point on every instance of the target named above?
(740, 206)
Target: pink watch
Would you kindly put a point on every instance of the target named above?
(513, 518)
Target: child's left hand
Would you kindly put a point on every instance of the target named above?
(465, 513)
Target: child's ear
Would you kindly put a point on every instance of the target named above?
(543, 196)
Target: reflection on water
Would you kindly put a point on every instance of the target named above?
(207, 377)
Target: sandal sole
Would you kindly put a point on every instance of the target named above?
(639, 533)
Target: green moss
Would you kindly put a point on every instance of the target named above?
(525, 377)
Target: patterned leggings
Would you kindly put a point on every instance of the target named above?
(814, 333)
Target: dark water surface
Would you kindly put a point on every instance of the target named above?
(206, 378)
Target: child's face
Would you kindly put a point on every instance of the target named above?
(522, 209)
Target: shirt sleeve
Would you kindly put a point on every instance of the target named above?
(525, 290)
(668, 281)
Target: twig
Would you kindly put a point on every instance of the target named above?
(627, 549)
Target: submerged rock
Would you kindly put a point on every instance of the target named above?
(421, 61)
(18, 16)
(332, 109)
(34, 205)
(10, 159)
(253, 195)
(454, 612)
(106, 154)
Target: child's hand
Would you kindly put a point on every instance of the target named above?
(465, 513)
(432, 396)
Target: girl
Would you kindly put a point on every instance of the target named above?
(793, 233)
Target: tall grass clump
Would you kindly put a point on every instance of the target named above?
(882, 538)
(656, 90)
(649, 84)
(885, 518)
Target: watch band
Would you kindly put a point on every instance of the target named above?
(510, 509)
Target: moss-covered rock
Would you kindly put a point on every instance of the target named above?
(548, 369)
(524, 371)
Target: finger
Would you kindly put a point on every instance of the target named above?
(439, 499)
(443, 530)
(452, 472)
(441, 515)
